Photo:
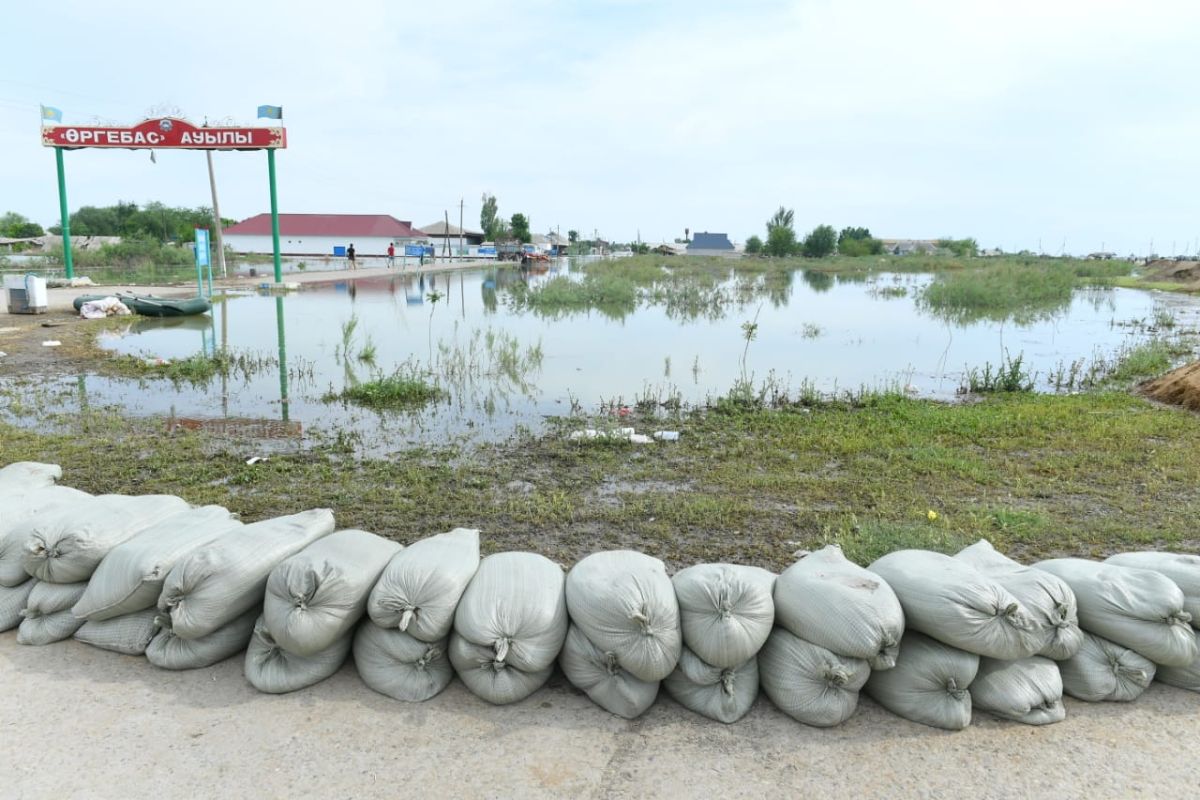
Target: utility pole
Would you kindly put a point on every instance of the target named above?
(461, 232)
(446, 239)
(212, 184)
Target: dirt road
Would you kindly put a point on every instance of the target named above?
(79, 722)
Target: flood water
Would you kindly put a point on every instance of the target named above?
(836, 334)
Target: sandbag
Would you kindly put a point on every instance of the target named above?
(1137, 608)
(318, 595)
(828, 600)
(1103, 670)
(47, 614)
(721, 693)
(510, 626)
(129, 634)
(66, 544)
(1181, 677)
(725, 611)
(219, 582)
(624, 603)
(1047, 597)
(24, 476)
(1028, 690)
(928, 684)
(271, 669)
(809, 683)
(168, 651)
(420, 588)
(400, 665)
(958, 605)
(17, 515)
(130, 578)
(12, 603)
(601, 676)
(1182, 569)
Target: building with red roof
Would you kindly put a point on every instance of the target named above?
(323, 234)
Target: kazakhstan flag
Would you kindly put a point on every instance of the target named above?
(51, 113)
(270, 112)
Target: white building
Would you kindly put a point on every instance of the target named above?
(324, 234)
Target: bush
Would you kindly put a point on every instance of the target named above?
(819, 243)
(754, 245)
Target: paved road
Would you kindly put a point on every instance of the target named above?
(79, 722)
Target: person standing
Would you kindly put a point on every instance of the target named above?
(350, 256)
(391, 255)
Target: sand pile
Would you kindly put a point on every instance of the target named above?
(1179, 387)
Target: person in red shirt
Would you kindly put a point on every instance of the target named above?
(391, 262)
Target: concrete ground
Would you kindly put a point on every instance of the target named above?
(80, 722)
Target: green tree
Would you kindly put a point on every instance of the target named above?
(572, 236)
(820, 242)
(17, 226)
(488, 215)
(781, 236)
(960, 247)
(520, 227)
(858, 242)
(754, 245)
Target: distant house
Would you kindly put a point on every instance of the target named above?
(323, 234)
(908, 247)
(447, 237)
(711, 244)
(551, 243)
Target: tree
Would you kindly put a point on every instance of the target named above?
(858, 242)
(520, 227)
(754, 245)
(572, 236)
(960, 247)
(488, 215)
(781, 236)
(17, 226)
(820, 242)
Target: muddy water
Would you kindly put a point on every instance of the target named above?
(837, 335)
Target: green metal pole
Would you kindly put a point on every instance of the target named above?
(283, 370)
(68, 258)
(274, 216)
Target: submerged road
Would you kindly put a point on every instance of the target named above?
(80, 722)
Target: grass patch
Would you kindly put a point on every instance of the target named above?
(402, 389)
(1010, 376)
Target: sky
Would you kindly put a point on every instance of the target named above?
(1052, 125)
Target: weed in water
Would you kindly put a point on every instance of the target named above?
(1010, 376)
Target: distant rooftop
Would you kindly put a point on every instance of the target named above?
(343, 225)
(443, 229)
(710, 241)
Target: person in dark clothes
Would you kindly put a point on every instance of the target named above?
(350, 256)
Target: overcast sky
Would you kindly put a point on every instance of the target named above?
(1051, 121)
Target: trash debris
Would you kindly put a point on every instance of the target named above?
(69, 283)
(250, 462)
(666, 436)
(104, 307)
(52, 343)
(626, 434)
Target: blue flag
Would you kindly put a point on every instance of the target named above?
(51, 113)
(270, 112)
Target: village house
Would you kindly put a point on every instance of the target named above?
(323, 234)
(712, 244)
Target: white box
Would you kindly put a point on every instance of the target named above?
(27, 294)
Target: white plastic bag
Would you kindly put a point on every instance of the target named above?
(318, 595)
(421, 586)
(18, 513)
(601, 676)
(1182, 569)
(1047, 597)
(625, 604)
(929, 683)
(1028, 690)
(399, 665)
(128, 634)
(809, 683)
(1103, 670)
(725, 611)
(1137, 608)
(12, 602)
(271, 669)
(724, 694)
(168, 651)
(1181, 677)
(47, 614)
(24, 476)
(832, 602)
(958, 605)
(130, 578)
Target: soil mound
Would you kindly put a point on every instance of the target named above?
(1179, 387)
(1164, 269)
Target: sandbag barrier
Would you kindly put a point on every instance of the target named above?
(929, 637)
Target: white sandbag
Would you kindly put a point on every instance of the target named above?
(421, 586)
(1181, 568)
(510, 626)
(1137, 608)
(400, 665)
(130, 578)
(625, 604)
(24, 476)
(18, 512)
(47, 616)
(828, 600)
(928, 684)
(1181, 677)
(12, 603)
(1047, 597)
(318, 595)
(1028, 690)
(219, 582)
(1103, 670)
(721, 693)
(601, 676)
(168, 651)
(129, 634)
(66, 544)
(809, 683)
(725, 611)
(271, 669)
(958, 605)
